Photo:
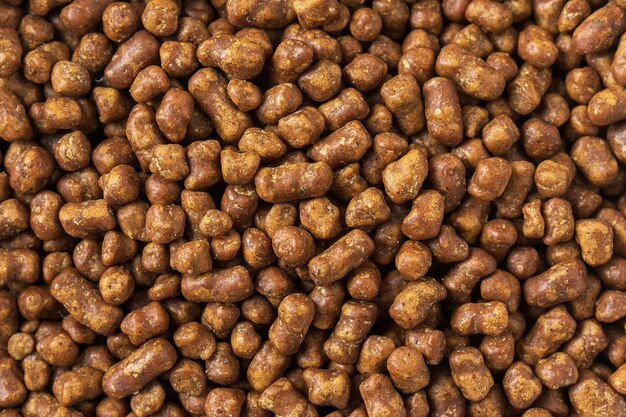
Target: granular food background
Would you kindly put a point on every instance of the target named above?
(300, 208)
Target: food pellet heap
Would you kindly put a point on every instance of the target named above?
(302, 208)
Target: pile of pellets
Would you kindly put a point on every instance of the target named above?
(300, 208)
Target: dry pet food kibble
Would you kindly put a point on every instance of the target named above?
(313, 208)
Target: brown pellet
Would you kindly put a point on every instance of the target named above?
(139, 368)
